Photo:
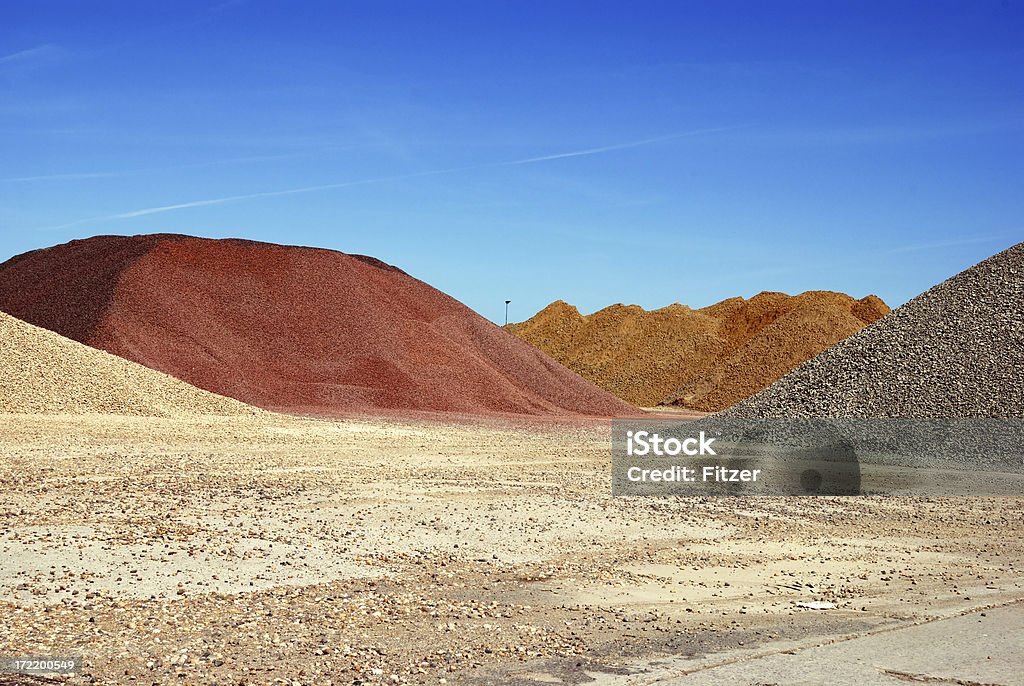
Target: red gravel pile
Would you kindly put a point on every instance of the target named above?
(290, 329)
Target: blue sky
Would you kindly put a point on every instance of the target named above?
(598, 152)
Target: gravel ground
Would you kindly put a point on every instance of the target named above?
(957, 350)
(273, 550)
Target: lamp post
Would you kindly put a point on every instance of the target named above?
(506, 311)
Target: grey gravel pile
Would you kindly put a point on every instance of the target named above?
(956, 350)
(42, 372)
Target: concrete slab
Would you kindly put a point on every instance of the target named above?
(978, 649)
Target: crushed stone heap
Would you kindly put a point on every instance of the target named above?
(955, 351)
(42, 372)
(704, 359)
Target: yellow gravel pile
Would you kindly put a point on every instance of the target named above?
(706, 359)
(44, 373)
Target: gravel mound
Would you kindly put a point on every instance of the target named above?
(776, 349)
(955, 351)
(44, 373)
(292, 329)
(703, 359)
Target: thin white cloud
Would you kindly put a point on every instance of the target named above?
(73, 176)
(226, 5)
(381, 179)
(885, 135)
(246, 196)
(39, 51)
(60, 177)
(619, 146)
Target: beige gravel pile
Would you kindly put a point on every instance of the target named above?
(955, 351)
(44, 373)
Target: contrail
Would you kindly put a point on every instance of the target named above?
(74, 176)
(28, 54)
(249, 196)
(382, 179)
(619, 146)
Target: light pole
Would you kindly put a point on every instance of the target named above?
(506, 311)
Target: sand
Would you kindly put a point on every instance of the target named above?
(291, 329)
(703, 360)
(44, 373)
